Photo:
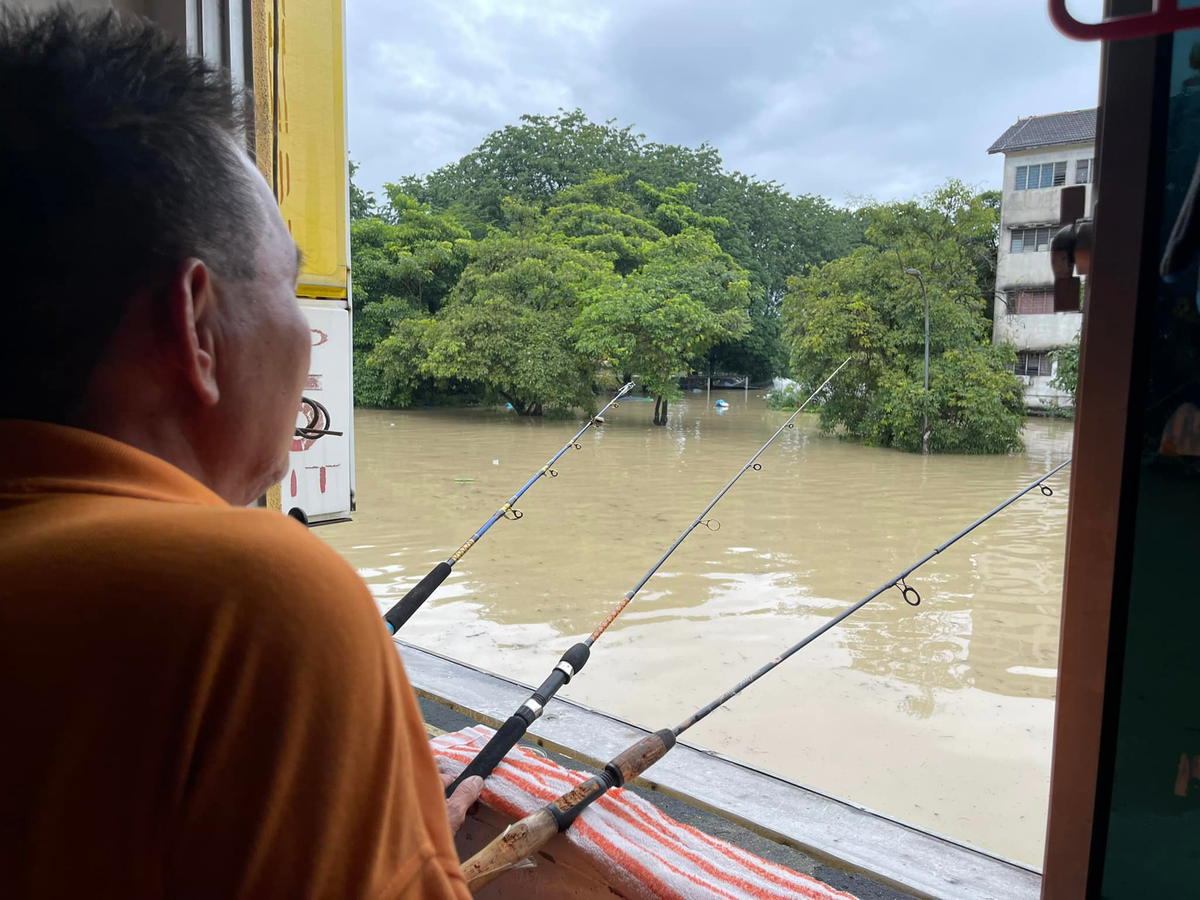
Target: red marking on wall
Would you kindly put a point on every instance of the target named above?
(324, 481)
(299, 445)
(295, 484)
(313, 383)
(321, 337)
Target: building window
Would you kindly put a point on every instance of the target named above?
(1031, 240)
(1032, 303)
(1051, 174)
(1085, 170)
(1033, 363)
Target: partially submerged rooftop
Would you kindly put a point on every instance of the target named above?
(1077, 126)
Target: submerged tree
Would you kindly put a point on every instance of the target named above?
(867, 306)
(768, 232)
(406, 262)
(686, 297)
(506, 325)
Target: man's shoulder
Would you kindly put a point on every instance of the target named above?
(248, 547)
(182, 550)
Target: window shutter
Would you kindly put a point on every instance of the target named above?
(1022, 171)
(1060, 173)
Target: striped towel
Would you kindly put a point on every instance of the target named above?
(641, 852)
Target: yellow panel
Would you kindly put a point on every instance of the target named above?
(310, 174)
(262, 45)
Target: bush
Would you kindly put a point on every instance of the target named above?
(786, 398)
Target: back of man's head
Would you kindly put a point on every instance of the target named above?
(118, 161)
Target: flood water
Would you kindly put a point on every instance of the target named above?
(938, 715)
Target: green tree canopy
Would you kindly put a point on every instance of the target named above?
(404, 268)
(867, 307)
(588, 283)
(767, 231)
(687, 296)
(505, 326)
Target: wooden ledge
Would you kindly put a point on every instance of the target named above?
(833, 831)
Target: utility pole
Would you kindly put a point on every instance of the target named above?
(916, 273)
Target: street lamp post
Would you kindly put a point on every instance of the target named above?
(916, 273)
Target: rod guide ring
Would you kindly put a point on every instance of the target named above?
(910, 594)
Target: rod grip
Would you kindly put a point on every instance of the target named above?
(517, 842)
(418, 594)
(493, 751)
(628, 764)
(622, 768)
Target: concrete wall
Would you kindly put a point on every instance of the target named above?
(1036, 332)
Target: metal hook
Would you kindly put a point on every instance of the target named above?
(712, 524)
(1047, 490)
(908, 593)
(513, 514)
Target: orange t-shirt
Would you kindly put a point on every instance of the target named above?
(198, 701)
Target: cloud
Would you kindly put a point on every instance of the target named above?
(869, 98)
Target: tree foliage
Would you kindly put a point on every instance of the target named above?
(405, 265)
(865, 306)
(1066, 369)
(597, 278)
(507, 324)
(686, 296)
(768, 232)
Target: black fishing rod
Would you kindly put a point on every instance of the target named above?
(419, 593)
(531, 833)
(577, 656)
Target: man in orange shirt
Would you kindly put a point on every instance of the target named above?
(199, 699)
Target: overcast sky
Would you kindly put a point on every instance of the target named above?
(856, 98)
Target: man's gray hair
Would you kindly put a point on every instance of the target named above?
(119, 159)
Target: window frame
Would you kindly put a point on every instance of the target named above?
(1024, 244)
(1045, 364)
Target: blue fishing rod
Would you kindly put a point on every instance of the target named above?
(421, 591)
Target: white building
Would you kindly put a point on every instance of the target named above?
(1042, 154)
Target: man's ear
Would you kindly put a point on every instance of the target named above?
(193, 317)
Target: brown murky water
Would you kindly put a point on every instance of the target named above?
(939, 715)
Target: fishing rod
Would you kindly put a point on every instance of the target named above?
(577, 656)
(532, 832)
(419, 593)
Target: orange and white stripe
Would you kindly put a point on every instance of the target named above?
(639, 849)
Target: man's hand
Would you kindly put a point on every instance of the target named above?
(460, 802)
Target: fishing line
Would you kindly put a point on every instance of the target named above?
(577, 656)
(420, 592)
(529, 834)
